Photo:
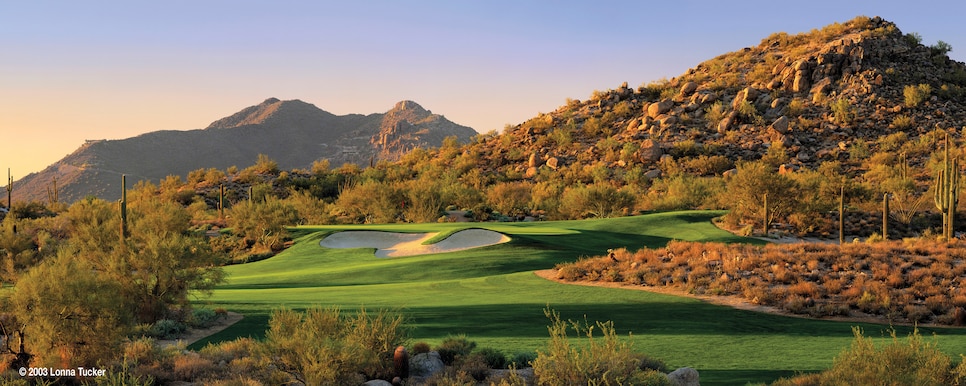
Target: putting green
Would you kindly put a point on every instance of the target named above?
(491, 295)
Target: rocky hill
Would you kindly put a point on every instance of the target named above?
(293, 133)
(826, 95)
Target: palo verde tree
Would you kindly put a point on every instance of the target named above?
(69, 313)
(755, 183)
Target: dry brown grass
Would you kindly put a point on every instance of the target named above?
(912, 280)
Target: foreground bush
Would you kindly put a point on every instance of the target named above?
(913, 362)
(603, 361)
(329, 347)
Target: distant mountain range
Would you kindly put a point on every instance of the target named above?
(293, 133)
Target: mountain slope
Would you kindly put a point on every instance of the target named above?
(293, 133)
(820, 96)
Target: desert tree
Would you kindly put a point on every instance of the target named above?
(71, 313)
(263, 223)
(756, 182)
(595, 200)
(510, 198)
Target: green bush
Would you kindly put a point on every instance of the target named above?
(522, 359)
(203, 318)
(493, 358)
(167, 329)
(915, 95)
(843, 111)
(453, 347)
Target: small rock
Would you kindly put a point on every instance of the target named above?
(780, 125)
(377, 382)
(652, 174)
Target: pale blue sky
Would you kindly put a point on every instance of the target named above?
(72, 70)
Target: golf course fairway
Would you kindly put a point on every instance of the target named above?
(491, 295)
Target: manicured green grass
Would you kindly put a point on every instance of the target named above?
(491, 295)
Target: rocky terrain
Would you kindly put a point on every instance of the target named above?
(823, 96)
(293, 133)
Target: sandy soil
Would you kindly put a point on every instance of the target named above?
(392, 244)
(194, 335)
(730, 301)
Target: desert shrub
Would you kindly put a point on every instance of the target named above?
(420, 348)
(654, 364)
(714, 114)
(474, 365)
(605, 360)
(913, 362)
(454, 346)
(522, 359)
(915, 95)
(795, 108)
(843, 111)
(202, 318)
(494, 358)
(327, 346)
(902, 122)
(167, 329)
(191, 366)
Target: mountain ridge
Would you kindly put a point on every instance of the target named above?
(293, 133)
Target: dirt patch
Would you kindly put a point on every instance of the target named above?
(196, 334)
(730, 301)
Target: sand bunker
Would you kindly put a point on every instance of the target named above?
(392, 244)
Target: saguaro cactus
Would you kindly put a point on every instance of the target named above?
(122, 203)
(947, 191)
(9, 190)
(885, 216)
(764, 200)
(53, 195)
(221, 202)
(842, 215)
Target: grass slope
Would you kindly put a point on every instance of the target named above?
(491, 295)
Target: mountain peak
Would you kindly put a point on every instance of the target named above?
(408, 105)
(269, 111)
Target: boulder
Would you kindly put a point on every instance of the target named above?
(552, 163)
(531, 172)
(426, 364)
(377, 382)
(533, 161)
(652, 174)
(650, 151)
(688, 88)
(822, 86)
(780, 125)
(659, 108)
(800, 83)
(747, 94)
(684, 376)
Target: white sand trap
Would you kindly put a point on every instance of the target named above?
(392, 244)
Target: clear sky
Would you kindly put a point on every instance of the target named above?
(76, 70)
